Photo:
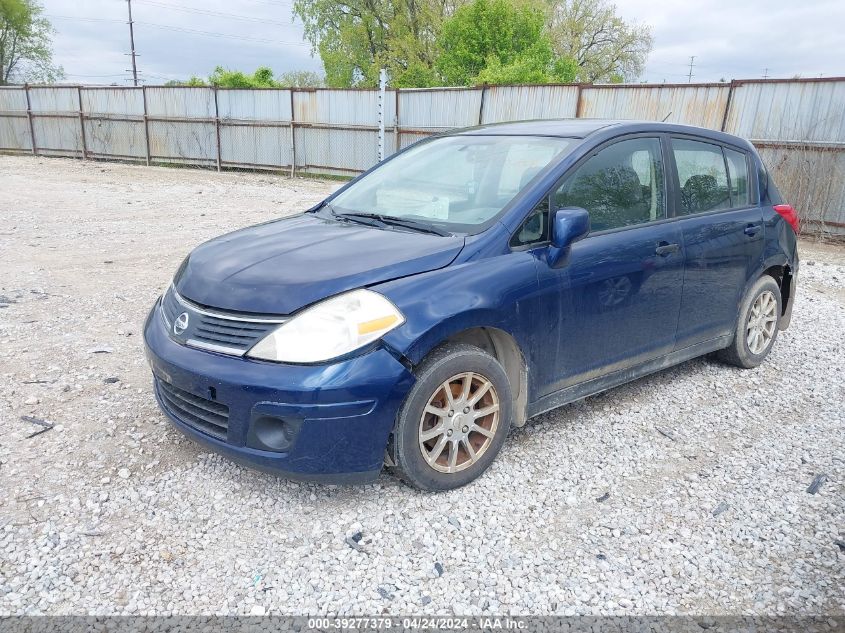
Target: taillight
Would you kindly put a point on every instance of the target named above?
(789, 214)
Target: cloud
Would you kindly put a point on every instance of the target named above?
(729, 39)
(92, 38)
(741, 40)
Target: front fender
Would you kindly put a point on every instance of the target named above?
(491, 292)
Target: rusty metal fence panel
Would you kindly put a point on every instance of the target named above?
(702, 105)
(517, 103)
(813, 180)
(336, 131)
(55, 120)
(113, 119)
(798, 125)
(424, 112)
(255, 128)
(181, 125)
(14, 121)
(804, 111)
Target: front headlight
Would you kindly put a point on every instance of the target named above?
(332, 328)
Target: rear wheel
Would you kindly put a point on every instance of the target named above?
(455, 419)
(757, 325)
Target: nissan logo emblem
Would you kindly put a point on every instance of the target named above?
(180, 324)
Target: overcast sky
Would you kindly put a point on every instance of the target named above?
(729, 38)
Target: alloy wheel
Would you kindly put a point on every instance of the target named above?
(762, 322)
(459, 422)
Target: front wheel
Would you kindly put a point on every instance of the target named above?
(455, 418)
(757, 326)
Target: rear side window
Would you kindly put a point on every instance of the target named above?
(702, 176)
(622, 185)
(738, 174)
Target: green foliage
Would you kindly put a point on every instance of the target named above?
(425, 43)
(355, 38)
(604, 46)
(499, 42)
(26, 51)
(300, 79)
(262, 78)
(225, 78)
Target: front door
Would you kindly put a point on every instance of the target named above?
(614, 300)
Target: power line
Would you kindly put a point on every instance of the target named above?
(181, 30)
(76, 75)
(209, 12)
(83, 19)
(213, 34)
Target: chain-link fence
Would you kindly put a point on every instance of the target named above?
(798, 125)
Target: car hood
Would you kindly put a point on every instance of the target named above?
(281, 266)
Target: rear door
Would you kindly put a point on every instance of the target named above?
(722, 227)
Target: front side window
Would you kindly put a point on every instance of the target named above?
(702, 176)
(622, 185)
(457, 183)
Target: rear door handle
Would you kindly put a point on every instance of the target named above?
(751, 230)
(664, 249)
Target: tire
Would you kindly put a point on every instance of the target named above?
(745, 351)
(456, 364)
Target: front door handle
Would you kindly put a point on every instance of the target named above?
(665, 249)
(751, 230)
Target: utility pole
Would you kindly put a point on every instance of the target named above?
(765, 73)
(691, 60)
(132, 45)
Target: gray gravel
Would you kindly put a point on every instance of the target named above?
(685, 492)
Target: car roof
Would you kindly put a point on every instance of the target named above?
(583, 128)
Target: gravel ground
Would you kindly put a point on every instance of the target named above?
(589, 509)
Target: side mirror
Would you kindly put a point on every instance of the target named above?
(570, 224)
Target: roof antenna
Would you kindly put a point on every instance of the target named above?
(663, 120)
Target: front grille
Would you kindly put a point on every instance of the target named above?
(217, 331)
(206, 416)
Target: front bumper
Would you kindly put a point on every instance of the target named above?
(336, 417)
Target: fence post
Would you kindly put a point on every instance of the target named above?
(146, 125)
(382, 86)
(481, 105)
(292, 138)
(396, 133)
(29, 117)
(82, 123)
(728, 104)
(578, 102)
(217, 126)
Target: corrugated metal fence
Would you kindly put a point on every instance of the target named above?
(798, 125)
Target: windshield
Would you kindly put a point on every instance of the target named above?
(457, 183)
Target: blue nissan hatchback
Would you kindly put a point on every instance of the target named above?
(466, 284)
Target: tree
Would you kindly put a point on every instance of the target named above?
(356, 38)
(26, 52)
(498, 42)
(225, 78)
(261, 78)
(603, 45)
(300, 79)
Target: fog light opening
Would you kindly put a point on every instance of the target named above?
(272, 433)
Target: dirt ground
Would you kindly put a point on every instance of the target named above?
(111, 511)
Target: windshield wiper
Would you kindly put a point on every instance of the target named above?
(370, 219)
(415, 225)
